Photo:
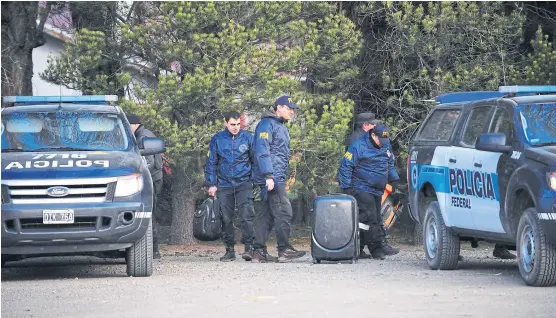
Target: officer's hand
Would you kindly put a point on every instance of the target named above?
(212, 191)
(270, 184)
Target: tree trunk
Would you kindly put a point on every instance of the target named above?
(20, 35)
(183, 203)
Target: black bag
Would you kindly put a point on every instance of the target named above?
(335, 234)
(207, 222)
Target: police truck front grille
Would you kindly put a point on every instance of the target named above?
(92, 190)
(79, 223)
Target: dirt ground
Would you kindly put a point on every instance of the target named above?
(191, 282)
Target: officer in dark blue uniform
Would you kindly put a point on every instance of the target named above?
(228, 171)
(363, 173)
(363, 123)
(381, 130)
(272, 155)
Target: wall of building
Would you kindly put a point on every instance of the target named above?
(54, 47)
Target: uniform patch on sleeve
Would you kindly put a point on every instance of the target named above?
(348, 156)
(263, 135)
(384, 134)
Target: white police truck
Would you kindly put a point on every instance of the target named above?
(482, 167)
(74, 181)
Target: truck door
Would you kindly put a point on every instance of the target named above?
(462, 199)
(496, 170)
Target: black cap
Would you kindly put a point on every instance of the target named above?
(133, 119)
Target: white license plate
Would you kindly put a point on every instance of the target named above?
(57, 216)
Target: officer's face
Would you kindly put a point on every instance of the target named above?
(285, 112)
(233, 126)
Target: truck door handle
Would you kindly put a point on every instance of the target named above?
(453, 160)
(478, 165)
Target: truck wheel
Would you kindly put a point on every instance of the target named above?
(139, 257)
(536, 256)
(440, 243)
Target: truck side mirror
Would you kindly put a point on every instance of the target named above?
(151, 146)
(493, 143)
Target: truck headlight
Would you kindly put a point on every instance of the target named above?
(128, 185)
(551, 179)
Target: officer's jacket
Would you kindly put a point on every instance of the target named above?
(229, 160)
(366, 168)
(272, 150)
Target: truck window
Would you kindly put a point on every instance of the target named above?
(502, 123)
(539, 123)
(475, 125)
(63, 130)
(440, 125)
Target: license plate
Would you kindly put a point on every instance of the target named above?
(57, 216)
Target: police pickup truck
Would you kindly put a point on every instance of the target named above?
(74, 181)
(483, 167)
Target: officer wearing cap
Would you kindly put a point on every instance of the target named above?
(363, 123)
(363, 173)
(381, 129)
(272, 155)
(155, 164)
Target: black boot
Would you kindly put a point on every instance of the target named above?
(502, 252)
(247, 254)
(377, 253)
(229, 256)
(389, 250)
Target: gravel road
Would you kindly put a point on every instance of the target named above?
(191, 282)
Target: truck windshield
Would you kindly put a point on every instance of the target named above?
(539, 123)
(63, 130)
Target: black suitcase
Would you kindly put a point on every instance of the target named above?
(207, 222)
(335, 234)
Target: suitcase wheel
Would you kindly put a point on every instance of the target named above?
(316, 261)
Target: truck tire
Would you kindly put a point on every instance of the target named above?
(536, 255)
(441, 245)
(139, 257)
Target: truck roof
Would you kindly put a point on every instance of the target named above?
(71, 107)
(534, 99)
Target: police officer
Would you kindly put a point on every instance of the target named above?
(155, 165)
(381, 130)
(272, 154)
(228, 171)
(363, 173)
(363, 123)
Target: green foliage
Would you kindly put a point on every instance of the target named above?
(539, 67)
(422, 50)
(233, 55)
